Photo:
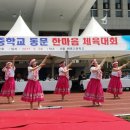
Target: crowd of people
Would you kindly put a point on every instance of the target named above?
(33, 90)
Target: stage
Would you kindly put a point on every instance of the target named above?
(76, 114)
(61, 119)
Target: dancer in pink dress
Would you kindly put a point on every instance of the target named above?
(33, 91)
(115, 85)
(94, 90)
(62, 86)
(8, 89)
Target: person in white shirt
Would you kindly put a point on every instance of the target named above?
(115, 85)
(94, 90)
(62, 86)
(8, 89)
(33, 91)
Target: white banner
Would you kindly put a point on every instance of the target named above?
(55, 45)
(59, 43)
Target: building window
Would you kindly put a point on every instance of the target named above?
(128, 4)
(106, 4)
(95, 5)
(94, 10)
(118, 7)
(128, 8)
(106, 12)
(106, 8)
(128, 13)
(118, 4)
(119, 13)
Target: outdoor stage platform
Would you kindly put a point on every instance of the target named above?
(61, 119)
(76, 114)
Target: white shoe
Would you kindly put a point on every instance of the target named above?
(99, 104)
(12, 101)
(40, 107)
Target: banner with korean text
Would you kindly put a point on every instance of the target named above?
(38, 45)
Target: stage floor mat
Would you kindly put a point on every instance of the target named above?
(61, 119)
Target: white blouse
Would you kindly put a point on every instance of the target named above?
(93, 74)
(33, 75)
(61, 71)
(117, 74)
(9, 72)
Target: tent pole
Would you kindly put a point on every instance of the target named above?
(53, 70)
(52, 67)
(66, 57)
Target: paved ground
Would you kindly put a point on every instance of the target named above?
(112, 106)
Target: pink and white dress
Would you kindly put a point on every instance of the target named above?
(33, 91)
(115, 84)
(8, 89)
(94, 90)
(62, 86)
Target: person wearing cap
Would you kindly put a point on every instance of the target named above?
(115, 85)
(8, 89)
(94, 90)
(33, 91)
(62, 86)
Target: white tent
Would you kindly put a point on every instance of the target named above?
(94, 29)
(20, 29)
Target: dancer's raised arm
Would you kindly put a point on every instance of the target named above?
(13, 62)
(103, 61)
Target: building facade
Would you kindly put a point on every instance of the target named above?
(118, 16)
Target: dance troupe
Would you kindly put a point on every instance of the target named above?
(33, 91)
